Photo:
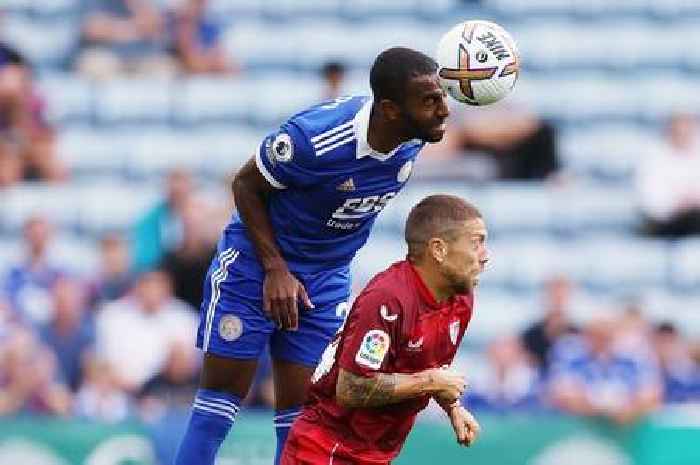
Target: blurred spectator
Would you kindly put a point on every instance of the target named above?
(23, 125)
(29, 382)
(196, 41)
(539, 338)
(10, 163)
(160, 230)
(175, 385)
(333, 74)
(188, 264)
(70, 333)
(29, 283)
(135, 334)
(115, 277)
(123, 36)
(520, 144)
(667, 182)
(681, 374)
(100, 397)
(511, 382)
(588, 377)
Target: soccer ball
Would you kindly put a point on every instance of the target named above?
(478, 62)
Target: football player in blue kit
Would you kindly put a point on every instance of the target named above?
(306, 202)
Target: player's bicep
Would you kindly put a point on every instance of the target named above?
(253, 179)
(286, 159)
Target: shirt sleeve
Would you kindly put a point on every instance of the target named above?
(371, 334)
(286, 159)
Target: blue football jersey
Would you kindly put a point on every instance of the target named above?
(330, 184)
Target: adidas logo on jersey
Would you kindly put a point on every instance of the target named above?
(346, 186)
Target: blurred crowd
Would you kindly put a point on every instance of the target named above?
(611, 363)
(121, 343)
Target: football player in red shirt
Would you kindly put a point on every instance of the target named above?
(391, 355)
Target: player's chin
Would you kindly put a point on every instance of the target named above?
(434, 134)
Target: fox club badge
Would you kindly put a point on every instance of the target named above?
(230, 327)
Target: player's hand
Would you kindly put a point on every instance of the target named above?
(448, 385)
(465, 425)
(281, 294)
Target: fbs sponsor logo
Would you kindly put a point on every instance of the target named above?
(373, 349)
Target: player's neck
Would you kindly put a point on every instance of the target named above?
(381, 134)
(435, 283)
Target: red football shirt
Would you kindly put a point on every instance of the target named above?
(395, 326)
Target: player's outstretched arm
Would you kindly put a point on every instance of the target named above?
(281, 289)
(355, 391)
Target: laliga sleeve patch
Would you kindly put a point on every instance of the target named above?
(281, 149)
(373, 349)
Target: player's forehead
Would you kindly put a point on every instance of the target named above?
(424, 85)
(475, 227)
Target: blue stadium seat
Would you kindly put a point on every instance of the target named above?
(89, 151)
(44, 43)
(589, 208)
(112, 206)
(11, 251)
(621, 263)
(518, 207)
(133, 101)
(380, 251)
(56, 203)
(76, 254)
(200, 100)
(499, 314)
(69, 98)
(225, 149)
(609, 151)
(156, 151)
(264, 44)
(279, 96)
(685, 265)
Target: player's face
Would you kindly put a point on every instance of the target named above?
(466, 257)
(425, 110)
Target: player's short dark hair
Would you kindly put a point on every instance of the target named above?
(438, 215)
(392, 70)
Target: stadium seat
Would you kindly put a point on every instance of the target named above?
(595, 208)
(88, 151)
(224, 149)
(44, 43)
(685, 265)
(203, 100)
(280, 96)
(76, 254)
(69, 98)
(56, 203)
(499, 314)
(379, 252)
(518, 207)
(156, 151)
(113, 206)
(133, 101)
(621, 263)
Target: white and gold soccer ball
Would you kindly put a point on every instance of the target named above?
(478, 62)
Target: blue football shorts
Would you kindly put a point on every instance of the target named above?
(232, 321)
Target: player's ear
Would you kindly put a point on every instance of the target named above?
(390, 109)
(437, 248)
